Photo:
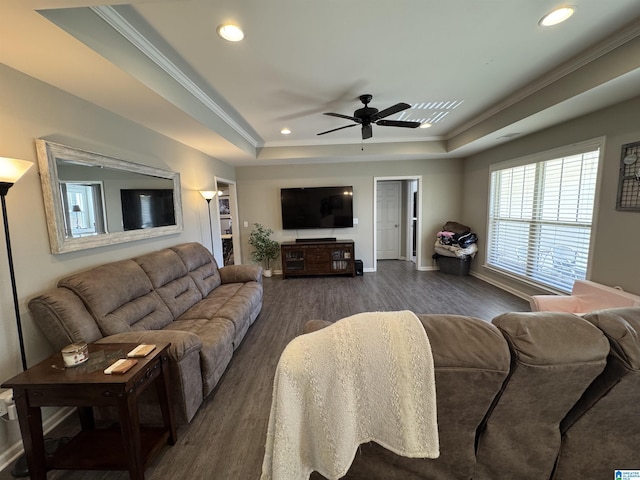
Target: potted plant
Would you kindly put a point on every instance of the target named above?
(264, 248)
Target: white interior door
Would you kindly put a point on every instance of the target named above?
(388, 220)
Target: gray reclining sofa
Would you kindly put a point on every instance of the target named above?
(176, 295)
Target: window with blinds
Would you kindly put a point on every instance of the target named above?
(540, 217)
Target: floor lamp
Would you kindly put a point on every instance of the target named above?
(11, 170)
(208, 196)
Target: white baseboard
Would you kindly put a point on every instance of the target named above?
(502, 286)
(430, 268)
(11, 454)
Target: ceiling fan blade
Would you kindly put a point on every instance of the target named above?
(339, 128)
(367, 132)
(339, 115)
(398, 107)
(398, 123)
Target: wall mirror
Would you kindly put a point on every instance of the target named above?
(92, 200)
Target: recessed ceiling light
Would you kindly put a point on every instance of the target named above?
(230, 32)
(425, 125)
(285, 131)
(559, 15)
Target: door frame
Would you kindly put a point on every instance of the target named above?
(235, 226)
(418, 178)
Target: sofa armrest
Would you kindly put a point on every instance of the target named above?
(241, 273)
(555, 303)
(182, 343)
(63, 318)
(184, 366)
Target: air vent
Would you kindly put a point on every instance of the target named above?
(430, 112)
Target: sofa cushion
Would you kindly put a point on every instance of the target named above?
(542, 338)
(555, 356)
(246, 300)
(485, 347)
(120, 297)
(63, 318)
(212, 303)
(241, 274)
(201, 266)
(235, 302)
(169, 277)
(621, 326)
(600, 434)
(216, 336)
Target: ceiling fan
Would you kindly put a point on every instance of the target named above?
(367, 116)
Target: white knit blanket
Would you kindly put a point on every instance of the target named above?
(368, 377)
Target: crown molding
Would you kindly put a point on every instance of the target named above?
(116, 21)
(625, 35)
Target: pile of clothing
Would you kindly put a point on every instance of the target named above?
(456, 240)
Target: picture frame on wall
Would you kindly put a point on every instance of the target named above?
(224, 207)
(629, 178)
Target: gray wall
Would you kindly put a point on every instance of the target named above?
(259, 199)
(30, 109)
(616, 260)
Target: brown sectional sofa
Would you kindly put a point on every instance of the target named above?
(530, 396)
(601, 433)
(176, 295)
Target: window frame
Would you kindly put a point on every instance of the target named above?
(553, 154)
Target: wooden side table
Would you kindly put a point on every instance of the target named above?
(129, 447)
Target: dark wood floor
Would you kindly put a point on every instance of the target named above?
(225, 440)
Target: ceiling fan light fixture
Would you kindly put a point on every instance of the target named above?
(425, 125)
(557, 16)
(367, 116)
(230, 32)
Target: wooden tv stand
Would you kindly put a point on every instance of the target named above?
(318, 258)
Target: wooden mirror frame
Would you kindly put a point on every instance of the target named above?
(49, 153)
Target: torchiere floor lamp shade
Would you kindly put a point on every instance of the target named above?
(11, 170)
(208, 195)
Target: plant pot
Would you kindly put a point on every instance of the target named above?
(267, 272)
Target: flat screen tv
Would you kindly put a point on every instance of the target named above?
(147, 208)
(317, 207)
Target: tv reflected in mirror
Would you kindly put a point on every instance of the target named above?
(83, 205)
(317, 207)
(147, 208)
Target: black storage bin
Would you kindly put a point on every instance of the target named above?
(454, 265)
(359, 267)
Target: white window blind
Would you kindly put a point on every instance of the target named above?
(540, 218)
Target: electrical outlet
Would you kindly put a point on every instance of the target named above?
(6, 399)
